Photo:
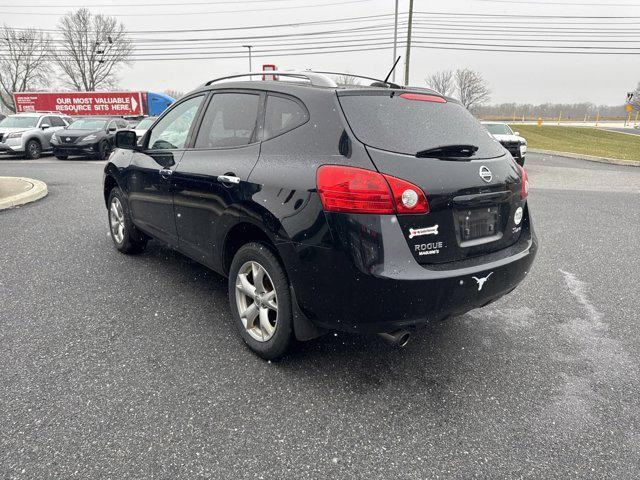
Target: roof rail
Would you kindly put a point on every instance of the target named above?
(390, 84)
(315, 78)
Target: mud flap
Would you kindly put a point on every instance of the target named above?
(303, 328)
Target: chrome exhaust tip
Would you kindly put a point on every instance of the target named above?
(399, 338)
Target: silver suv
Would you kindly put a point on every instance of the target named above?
(29, 134)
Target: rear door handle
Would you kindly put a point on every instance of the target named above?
(166, 173)
(229, 179)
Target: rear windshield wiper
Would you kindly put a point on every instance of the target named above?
(448, 151)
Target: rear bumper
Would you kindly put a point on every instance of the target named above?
(375, 285)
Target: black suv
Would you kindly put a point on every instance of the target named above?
(91, 137)
(361, 209)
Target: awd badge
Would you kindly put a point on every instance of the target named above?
(418, 232)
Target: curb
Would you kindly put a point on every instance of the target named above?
(37, 191)
(590, 158)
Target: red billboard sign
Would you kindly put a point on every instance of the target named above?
(81, 103)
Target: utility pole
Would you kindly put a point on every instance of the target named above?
(249, 47)
(395, 42)
(407, 56)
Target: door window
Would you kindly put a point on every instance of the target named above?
(230, 121)
(282, 115)
(57, 122)
(171, 132)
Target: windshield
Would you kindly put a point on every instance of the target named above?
(145, 124)
(88, 124)
(404, 123)
(498, 128)
(19, 122)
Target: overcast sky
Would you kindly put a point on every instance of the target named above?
(513, 77)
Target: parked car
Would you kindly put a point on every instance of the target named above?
(87, 137)
(143, 126)
(29, 134)
(361, 209)
(512, 141)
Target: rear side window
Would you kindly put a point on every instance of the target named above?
(408, 125)
(282, 115)
(230, 121)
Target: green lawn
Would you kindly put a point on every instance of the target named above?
(590, 141)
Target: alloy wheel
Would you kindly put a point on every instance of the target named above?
(257, 301)
(116, 220)
(33, 150)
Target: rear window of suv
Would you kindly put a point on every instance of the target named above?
(385, 120)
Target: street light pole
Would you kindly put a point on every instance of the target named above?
(395, 41)
(249, 47)
(407, 56)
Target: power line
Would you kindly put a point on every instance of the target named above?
(377, 45)
(520, 15)
(368, 29)
(119, 5)
(581, 4)
(430, 15)
(218, 12)
(365, 18)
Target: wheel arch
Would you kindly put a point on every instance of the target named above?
(239, 234)
(31, 138)
(110, 181)
(245, 231)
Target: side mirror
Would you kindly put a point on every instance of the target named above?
(44, 126)
(517, 134)
(126, 139)
(112, 130)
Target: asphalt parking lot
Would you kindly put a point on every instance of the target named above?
(117, 366)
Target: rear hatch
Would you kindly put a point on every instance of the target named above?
(472, 184)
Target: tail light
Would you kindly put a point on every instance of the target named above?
(407, 197)
(524, 183)
(355, 190)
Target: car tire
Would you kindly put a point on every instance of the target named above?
(124, 234)
(269, 334)
(103, 148)
(62, 157)
(33, 150)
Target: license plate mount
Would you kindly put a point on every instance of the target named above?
(478, 223)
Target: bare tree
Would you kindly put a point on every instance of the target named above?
(441, 82)
(347, 80)
(471, 88)
(23, 62)
(175, 94)
(635, 101)
(92, 49)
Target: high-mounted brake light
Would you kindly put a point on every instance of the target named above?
(524, 183)
(421, 97)
(355, 190)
